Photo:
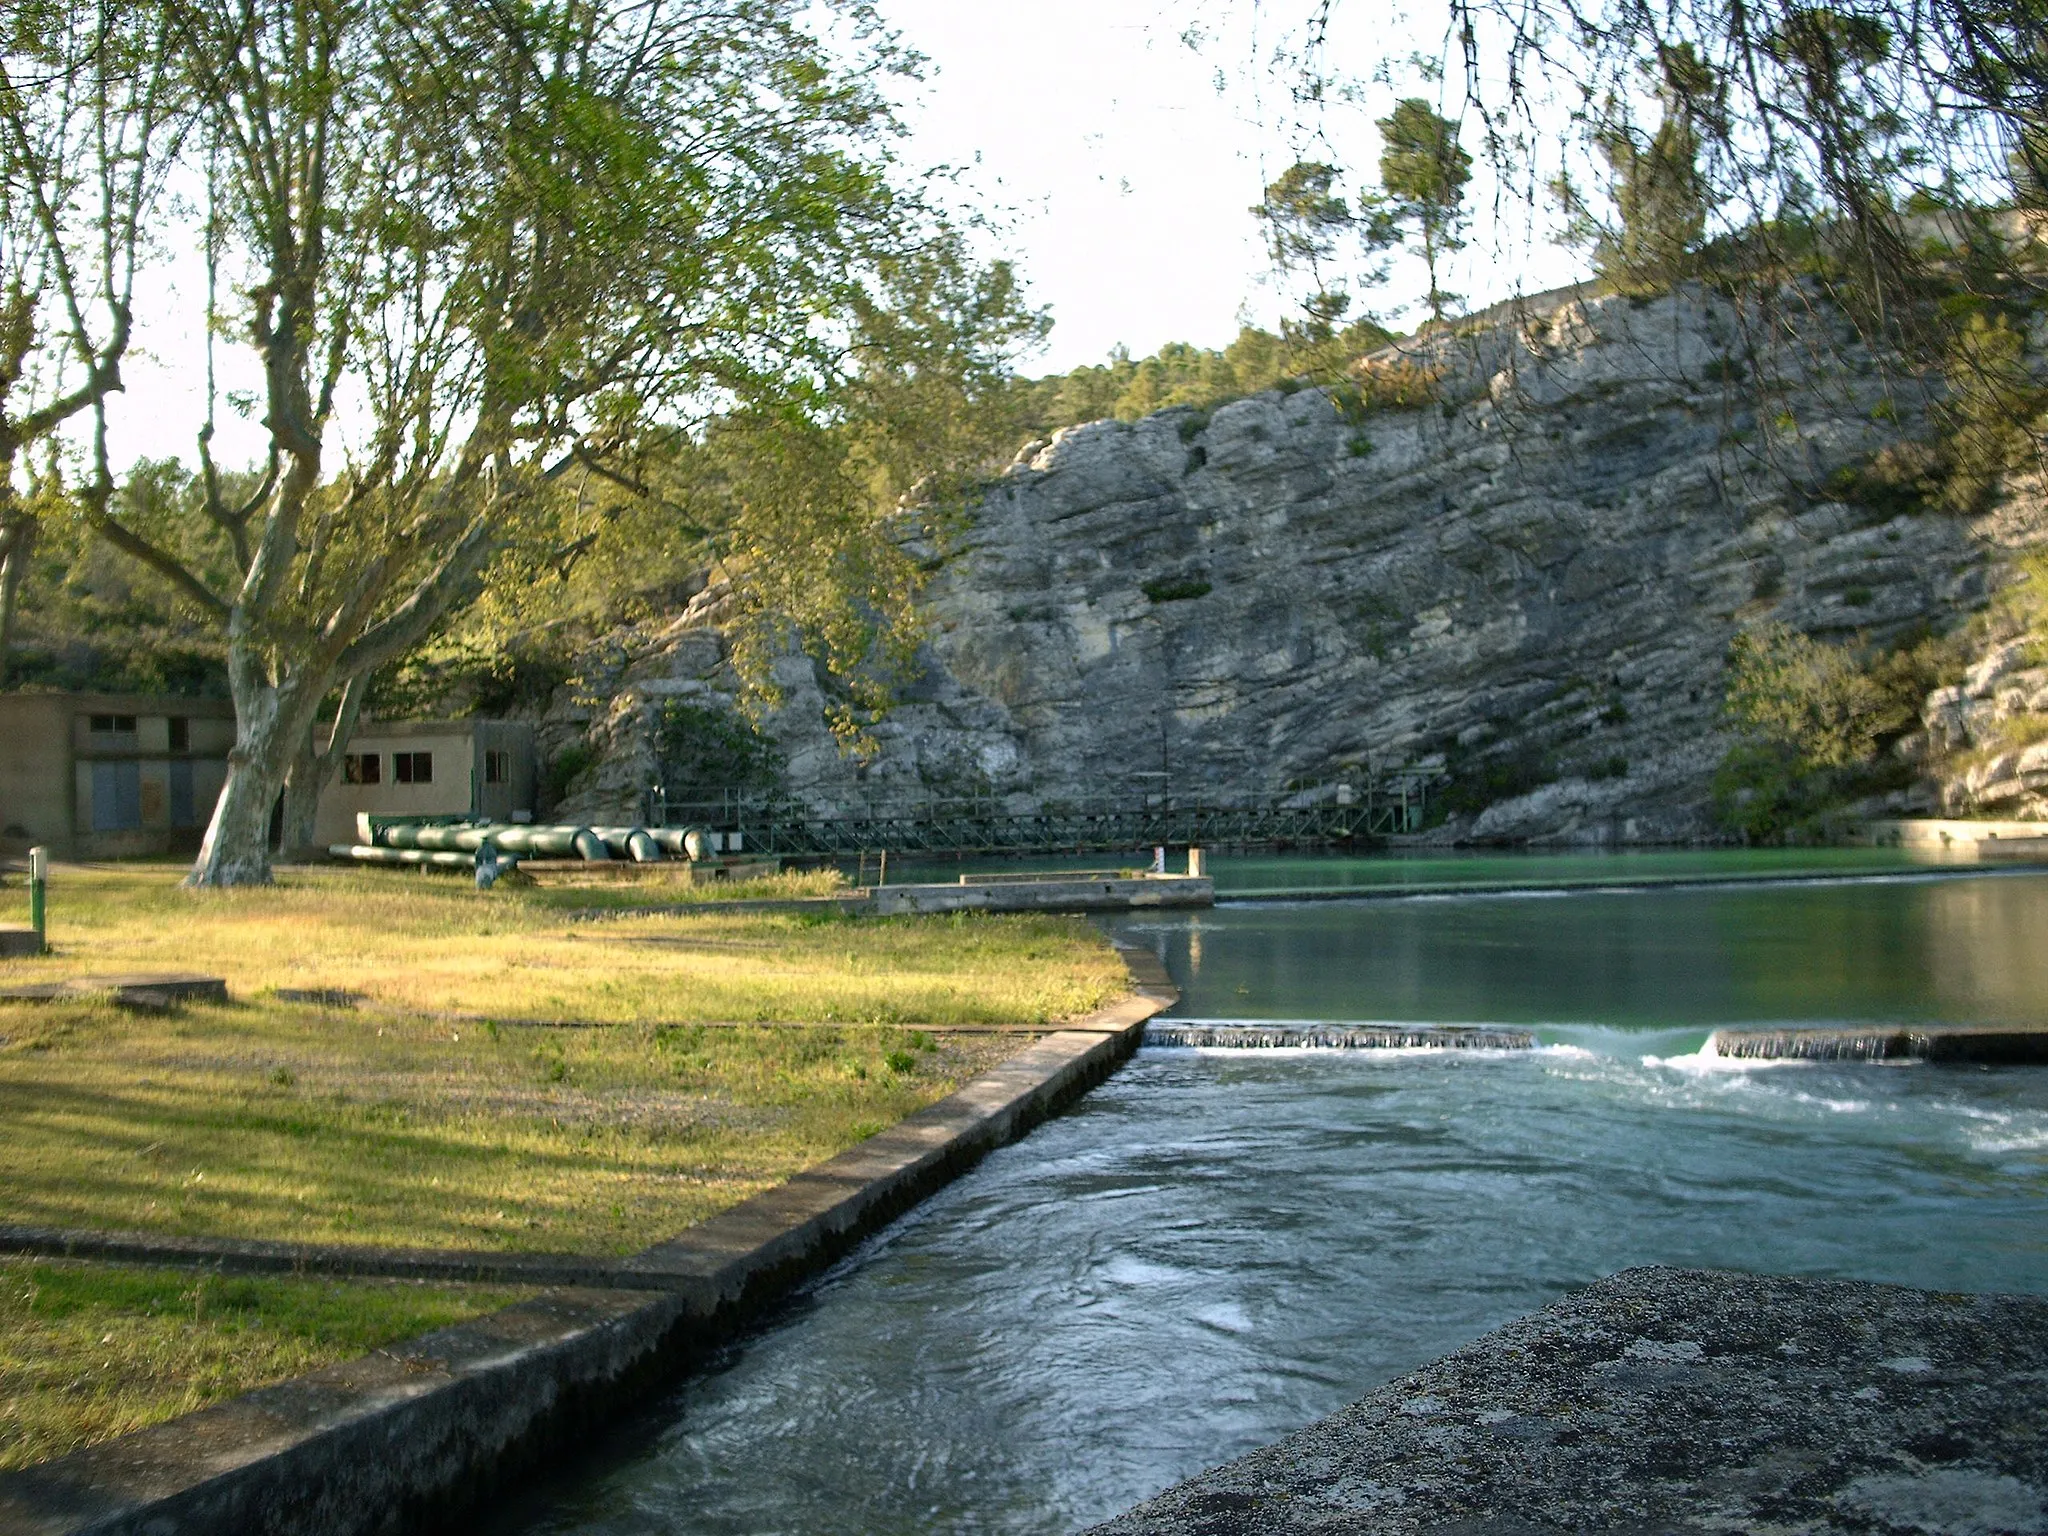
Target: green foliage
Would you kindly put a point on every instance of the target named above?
(699, 748)
(1307, 228)
(1808, 698)
(1425, 172)
(1996, 414)
(1814, 722)
(1176, 589)
(1661, 200)
(1392, 384)
(1180, 374)
(1477, 782)
(1900, 479)
(93, 620)
(561, 771)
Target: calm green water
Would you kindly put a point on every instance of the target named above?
(1216, 1247)
(1924, 948)
(1516, 868)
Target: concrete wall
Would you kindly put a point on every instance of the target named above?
(49, 755)
(459, 786)
(35, 761)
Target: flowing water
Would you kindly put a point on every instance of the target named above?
(1216, 1247)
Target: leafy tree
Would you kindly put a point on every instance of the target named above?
(532, 243)
(1425, 172)
(1810, 698)
(1865, 156)
(90, 120)
(1308, 228)
(1662, 199)
(1182, 374)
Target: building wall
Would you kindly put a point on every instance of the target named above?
(111, 793)
(459, 788)
(514, 792)
(35, 762)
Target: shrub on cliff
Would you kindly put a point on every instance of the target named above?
(1816, 723)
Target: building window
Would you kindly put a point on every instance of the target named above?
(412, 767)
(116, 797)
(363, 767)
(111, 725)
(497, 767)
(181, 734)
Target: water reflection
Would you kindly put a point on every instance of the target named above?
(1937, 950)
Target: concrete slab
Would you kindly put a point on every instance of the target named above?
(16, 943)
(1662, 1400)
(142, 989)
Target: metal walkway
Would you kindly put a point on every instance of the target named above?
(1326, 816)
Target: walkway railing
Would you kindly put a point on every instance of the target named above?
(1325, 815)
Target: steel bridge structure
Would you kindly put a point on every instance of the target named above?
(1328, 815)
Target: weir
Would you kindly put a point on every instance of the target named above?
(2016, 1044)
(1343, 1037)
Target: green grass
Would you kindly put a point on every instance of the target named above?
(90, 1351)
(513, 1081)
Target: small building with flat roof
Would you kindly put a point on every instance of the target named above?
(111, 775)
(429, 768)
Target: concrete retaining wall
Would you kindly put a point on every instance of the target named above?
(1051, 894)
(407, 1438)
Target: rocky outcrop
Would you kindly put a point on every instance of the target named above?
(1530, 585)
(1985, 739)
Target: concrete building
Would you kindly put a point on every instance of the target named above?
(429, 768)
(105, 775)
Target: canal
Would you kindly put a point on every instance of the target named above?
(1215, 1247)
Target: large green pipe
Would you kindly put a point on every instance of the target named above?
(692, 843)
(566, 842)
(432, 859)
(443, 839)
(636, 843)
(540, 842)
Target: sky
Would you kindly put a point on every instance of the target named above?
(1118, 160)
(1131, 159)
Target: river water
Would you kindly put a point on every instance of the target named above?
(1216, 1247)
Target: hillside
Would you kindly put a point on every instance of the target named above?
(1530, 585)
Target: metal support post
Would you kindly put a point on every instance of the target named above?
(38, 890)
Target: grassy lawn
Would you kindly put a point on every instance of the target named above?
(513, 1080)
(88, 1352)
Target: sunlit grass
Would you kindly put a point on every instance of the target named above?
(436, 944)
(89, 1351)
(513, 1079)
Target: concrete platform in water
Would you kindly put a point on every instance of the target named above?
(1663, 1400)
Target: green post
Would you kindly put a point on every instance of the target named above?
(38, 886)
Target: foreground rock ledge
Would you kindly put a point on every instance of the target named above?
(1663, 1400)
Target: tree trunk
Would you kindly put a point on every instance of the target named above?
(268, 726)
(17, 545)
(303, 782)
(312, 767)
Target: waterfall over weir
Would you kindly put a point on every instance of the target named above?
(1343, 1037)
(1991, 1044)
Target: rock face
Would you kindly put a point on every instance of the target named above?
(1531, 585)
(1987, 736)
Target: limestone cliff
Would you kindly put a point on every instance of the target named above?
(1530, 584)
